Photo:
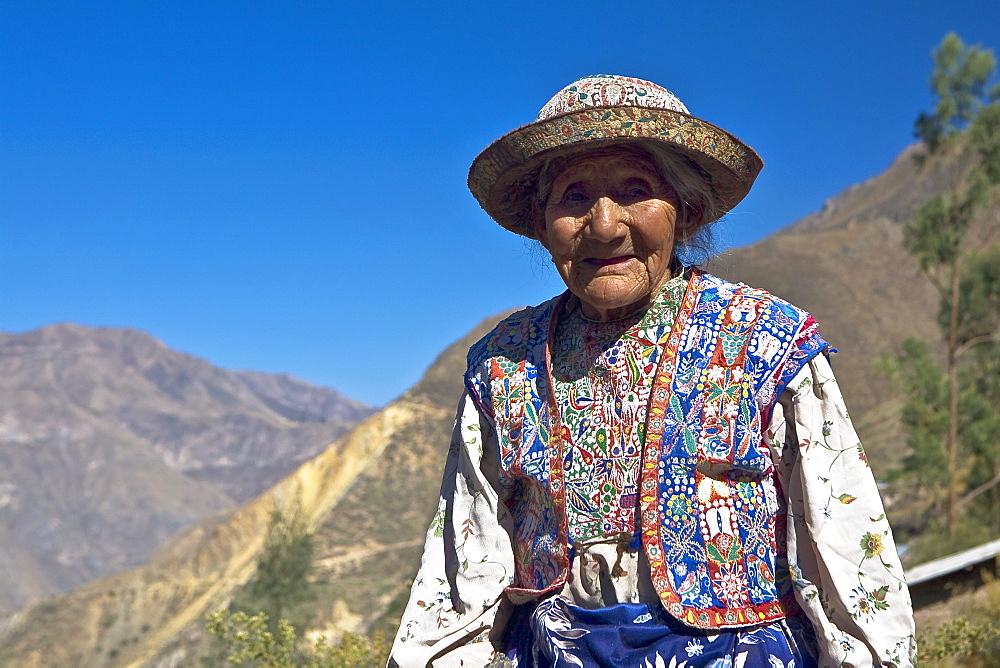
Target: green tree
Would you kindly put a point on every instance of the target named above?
(960, 81)
(250, 642)
(250, 639)
(942, 439)
(977, 327)
(259, 628)
(281, 584)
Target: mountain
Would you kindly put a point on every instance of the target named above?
(369, 496)
(110, 442)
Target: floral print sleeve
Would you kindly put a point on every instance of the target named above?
(843, 562)
(467, 560)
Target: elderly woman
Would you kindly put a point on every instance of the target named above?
(655, 468)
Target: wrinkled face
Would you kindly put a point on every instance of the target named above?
(609, 226)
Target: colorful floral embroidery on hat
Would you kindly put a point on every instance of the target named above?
(610, 90)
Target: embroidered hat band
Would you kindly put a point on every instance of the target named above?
(595, 112)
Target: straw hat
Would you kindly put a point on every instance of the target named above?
(591, 113)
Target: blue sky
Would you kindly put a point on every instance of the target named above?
(281, 186)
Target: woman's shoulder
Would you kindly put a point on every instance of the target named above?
(717, 288)
(771, 318)
(514, 335)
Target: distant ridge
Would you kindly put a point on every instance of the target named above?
(110, 442)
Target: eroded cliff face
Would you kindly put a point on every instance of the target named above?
(129, 617)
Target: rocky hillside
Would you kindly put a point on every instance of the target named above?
(110, 442)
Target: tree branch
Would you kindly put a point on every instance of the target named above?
(985, 487)
(973, 342)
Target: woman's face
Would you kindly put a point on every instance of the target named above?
(609, 226)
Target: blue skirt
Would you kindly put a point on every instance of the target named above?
(555, 633)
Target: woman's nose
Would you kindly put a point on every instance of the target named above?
(607, 220)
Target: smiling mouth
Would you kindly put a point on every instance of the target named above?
(609, 261)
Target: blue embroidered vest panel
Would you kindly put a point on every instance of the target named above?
(710, 508)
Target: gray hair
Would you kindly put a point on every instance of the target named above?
(697, 210)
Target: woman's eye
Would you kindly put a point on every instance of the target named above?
(636, 191)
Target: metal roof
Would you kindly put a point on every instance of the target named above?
(951, 563)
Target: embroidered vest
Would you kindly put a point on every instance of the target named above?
(711, 513)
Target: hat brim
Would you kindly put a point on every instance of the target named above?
(502, 176)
